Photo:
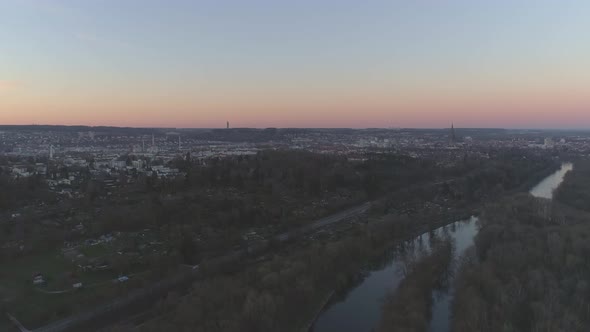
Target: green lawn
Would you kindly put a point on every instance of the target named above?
(18, 274)
(32, 307)
(96, 251)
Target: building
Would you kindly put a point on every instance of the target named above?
(21, 170)
(548, 143)
(137, 164)
(118, 164)
(41, 169)
(38, 280)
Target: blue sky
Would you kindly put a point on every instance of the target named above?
(292, 63)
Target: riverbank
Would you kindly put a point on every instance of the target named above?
(285, 290)
(409, 307)
(425, 223)
(528, 228)
(380, 259)
(323, 305)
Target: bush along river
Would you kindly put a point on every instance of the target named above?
(359, 307)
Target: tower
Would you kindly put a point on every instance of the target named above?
(227, 125)
(153, 140)
(51, 151)
(178, 142)
(453, 136)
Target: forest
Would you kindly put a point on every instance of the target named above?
(193, 219)
(529, 269)
(283, 291)
(270, 192)
(408, 308)
(574, 190)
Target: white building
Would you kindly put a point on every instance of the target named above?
(138, 164)
(549, 143)
(118, 164)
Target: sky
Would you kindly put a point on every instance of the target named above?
(305, 63)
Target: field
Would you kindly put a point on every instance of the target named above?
(33, 304)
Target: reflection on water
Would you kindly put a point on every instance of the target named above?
(359, 308)
(441, 307)
(546, 187)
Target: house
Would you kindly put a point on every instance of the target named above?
(21, 170)
(40, 168)
(138, 164)
(101, 164)
(118, 164)
(38, 279)
(123, 279)
(64, 182)
(52, 183)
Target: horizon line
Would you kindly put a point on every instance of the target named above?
(262, 128)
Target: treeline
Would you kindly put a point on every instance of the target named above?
(283, 292)
(300, 173)
(409, 307)
(529, 271)
(472, 181)
(508, 171)
(281, 189)
(76, 129)
(286, 188)
(575, 190)
(304, 173)
(15, 192)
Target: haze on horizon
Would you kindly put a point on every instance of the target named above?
(264, 63)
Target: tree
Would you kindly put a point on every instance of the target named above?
(189, 250)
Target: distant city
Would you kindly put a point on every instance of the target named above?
(107, 151)
(108, 225)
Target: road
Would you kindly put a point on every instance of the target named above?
(160, 289)
(335, 218)
(16, 323)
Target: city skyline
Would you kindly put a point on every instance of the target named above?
(198, 64)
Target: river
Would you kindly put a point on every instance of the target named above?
(545, 188)
(358, 308)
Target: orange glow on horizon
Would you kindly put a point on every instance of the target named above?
(414, 105)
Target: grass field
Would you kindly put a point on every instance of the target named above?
(20, 297)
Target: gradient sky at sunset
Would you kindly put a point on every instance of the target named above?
(304, 63)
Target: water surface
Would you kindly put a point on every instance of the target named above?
(441, 309)
(358, 309)
(546, 187)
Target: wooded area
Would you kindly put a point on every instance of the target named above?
(530, 267)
